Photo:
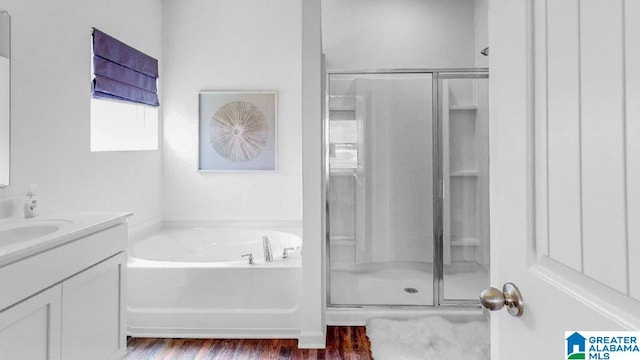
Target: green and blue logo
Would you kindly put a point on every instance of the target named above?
(576, 345)
(602, 345)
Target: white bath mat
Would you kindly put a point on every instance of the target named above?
(428, 338)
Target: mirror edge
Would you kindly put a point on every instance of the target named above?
(8, 182)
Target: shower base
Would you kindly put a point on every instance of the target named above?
(395, 286)
(358, 316)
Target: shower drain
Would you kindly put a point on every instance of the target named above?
(410, 290)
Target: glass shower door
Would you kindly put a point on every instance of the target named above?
(380, 189)
(464, 115)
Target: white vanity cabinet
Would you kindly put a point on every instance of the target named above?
(93, 323)
(67, 302)
(31, 328)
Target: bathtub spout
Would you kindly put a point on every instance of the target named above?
(266, 244)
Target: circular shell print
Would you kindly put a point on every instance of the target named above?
(238, 131)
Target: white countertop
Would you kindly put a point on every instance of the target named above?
(72, 226)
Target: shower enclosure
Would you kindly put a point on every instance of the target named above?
(406, 180)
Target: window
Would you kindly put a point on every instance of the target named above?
(124, 104)
(120, 126)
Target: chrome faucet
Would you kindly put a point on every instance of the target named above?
(285, 252)
(266, 245)
(250, 255)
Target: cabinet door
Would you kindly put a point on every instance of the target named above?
(93, 307)
(30, 330)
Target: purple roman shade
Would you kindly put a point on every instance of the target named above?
(122, 72)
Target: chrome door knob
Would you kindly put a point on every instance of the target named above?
(494, 299)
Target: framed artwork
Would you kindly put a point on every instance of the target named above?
(237, 131)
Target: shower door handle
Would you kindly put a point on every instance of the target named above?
(494, 299)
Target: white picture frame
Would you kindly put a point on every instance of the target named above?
(237, 131)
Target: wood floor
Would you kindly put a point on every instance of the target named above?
(343, 342)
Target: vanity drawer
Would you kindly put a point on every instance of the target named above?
(28, 276)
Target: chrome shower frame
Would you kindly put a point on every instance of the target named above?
(438, 191)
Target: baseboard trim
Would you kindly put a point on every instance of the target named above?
(139, 332)
(312, 340)
(118, 355)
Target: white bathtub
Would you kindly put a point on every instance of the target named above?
(192, 282)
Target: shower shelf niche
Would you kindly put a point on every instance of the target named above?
(341, 172)
(463, 107)
(464, 174)
(344, 150)
(466, 242)
(343, 134)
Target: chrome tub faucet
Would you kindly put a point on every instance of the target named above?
(266, 245)
(285, 252)
(250, 255)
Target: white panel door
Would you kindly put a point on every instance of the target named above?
(561, 166)
(632, 89)
(563, 139)
(602, 91)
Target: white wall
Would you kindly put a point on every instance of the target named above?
(481, 18)
(231, 45)
(383, 34)
(5, 96)
(51, 64)
(313, 304)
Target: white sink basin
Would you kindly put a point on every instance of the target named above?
(24, 231)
